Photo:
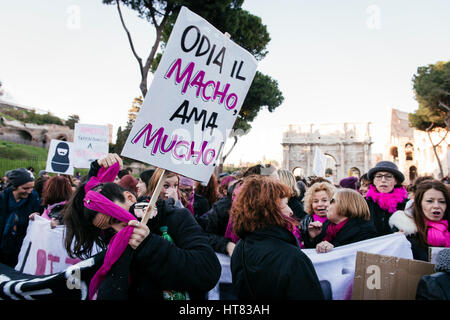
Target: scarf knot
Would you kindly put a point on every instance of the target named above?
(387, 201)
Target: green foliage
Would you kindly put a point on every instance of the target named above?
(17, 151)
(30, 116)
(432, 90)
(71, 120)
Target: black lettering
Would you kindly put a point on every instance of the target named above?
(183, 38)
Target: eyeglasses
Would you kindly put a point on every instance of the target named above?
(386, 176)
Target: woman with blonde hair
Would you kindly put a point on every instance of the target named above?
(316, 202)
(348, 222)
(267, 262)
(286, 177)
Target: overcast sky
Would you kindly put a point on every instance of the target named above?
(334, 61)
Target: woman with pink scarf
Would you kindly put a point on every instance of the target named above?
(427, 226)
(386, 194)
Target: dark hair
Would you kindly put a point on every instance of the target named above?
(81, 234)
(419, 216)
(122, 173)
(210, 191)
(39, 185)
(413, 186)
(56, 189)
(146, 176)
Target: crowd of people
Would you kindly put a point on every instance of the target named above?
(262, 218)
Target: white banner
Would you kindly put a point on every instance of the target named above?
(60, 157)
(193, 100)
(336, 269)
(43, 250)
(90, 143)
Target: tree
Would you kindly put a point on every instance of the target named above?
(71, 120)
(123, 134)
(432, 90)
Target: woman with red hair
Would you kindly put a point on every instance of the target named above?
(267, 263)
(57, 191)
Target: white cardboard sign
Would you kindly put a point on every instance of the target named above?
(90, 143)
(60, 157)
(193, 100)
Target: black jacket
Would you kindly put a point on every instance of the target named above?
(354, 230)
(296, 206)
(380, 217)
(277, 269)
(201, 205)
(435, 286)
(215, 223)
(188, 264)
(14, 224)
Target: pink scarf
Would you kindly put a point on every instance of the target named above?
(333, 229)
(437, 233)
(99, 203)
(387, 201)
(316, 217)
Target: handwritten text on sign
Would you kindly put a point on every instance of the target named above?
(193, 101)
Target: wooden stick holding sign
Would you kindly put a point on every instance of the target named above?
(154, 197)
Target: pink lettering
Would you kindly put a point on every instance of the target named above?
(41, 261)
(52, 259)
(199, 82)
(159, 140)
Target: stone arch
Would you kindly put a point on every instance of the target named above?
(331, 165)
(25, 135)
(298, 171)
(62, 137)
(412, 173)
(393, 152)
(409, 151)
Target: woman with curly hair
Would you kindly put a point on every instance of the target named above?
(267, 262)
(316, 202)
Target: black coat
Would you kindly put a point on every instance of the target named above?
(354, 230)
(380, 217)
(296, 206)
(435, 286)
(277, 268)
(215, 223)
(16, 224)
(201, 205)
(188, 264)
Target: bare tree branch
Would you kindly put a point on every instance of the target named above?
(444, 105)
(129, 39)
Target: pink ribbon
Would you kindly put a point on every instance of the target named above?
(103, 175)
(99, 203)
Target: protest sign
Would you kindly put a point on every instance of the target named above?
(336, 268)
(60, 157)
(90, 143)
(193, 100)
(381, 277)
(43, 251)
